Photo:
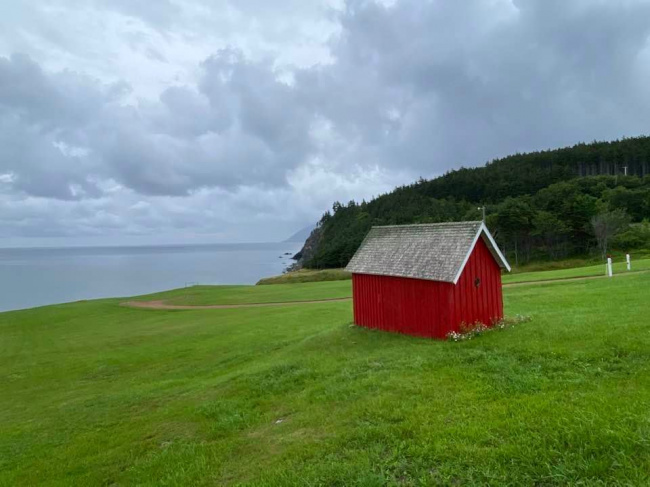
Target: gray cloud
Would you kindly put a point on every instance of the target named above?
(159, 14)
(254, 133)
(468, 82)
(240, 126)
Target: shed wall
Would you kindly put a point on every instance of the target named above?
(411, 306)
(484, 303)
(430, 308)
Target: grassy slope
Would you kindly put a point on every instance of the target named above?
(307, 275)
(570, 268)
(594, 270)
(94, 393)
(206, 295)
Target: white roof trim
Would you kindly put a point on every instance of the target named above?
(483, 230)
(487, 233)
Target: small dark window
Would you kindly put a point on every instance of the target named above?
(477, 282)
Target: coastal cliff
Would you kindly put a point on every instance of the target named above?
(309, 249)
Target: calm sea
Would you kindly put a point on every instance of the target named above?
(35, 277)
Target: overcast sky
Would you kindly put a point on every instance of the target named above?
(134, 121)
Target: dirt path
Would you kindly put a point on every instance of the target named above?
(163, 305)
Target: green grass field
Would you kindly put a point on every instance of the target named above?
(309, 291)
(588, 271)
(536, 271)
(207, 295)
(98, 394)
(307, 275)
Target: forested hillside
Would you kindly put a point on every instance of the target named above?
(544, 205)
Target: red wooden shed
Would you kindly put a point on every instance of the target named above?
(427, 280)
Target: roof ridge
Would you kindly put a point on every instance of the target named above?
(439, 224)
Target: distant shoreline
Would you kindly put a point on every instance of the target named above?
(32, 277)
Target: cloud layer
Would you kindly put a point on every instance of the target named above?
(239, 121)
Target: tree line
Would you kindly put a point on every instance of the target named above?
(539, 206)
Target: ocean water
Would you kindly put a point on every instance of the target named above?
(36, 277)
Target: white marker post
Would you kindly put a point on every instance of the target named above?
(609, 267)
(629, 262)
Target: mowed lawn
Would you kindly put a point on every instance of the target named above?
(276, 293)
(309, 291)
(98, 394)
(619, 269)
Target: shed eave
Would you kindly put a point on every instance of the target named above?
(402, 276)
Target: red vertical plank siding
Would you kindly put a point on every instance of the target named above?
(430, 308)
(410, 306)
(484, 303)
(499, 295)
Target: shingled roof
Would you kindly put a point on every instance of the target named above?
(435, 252)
